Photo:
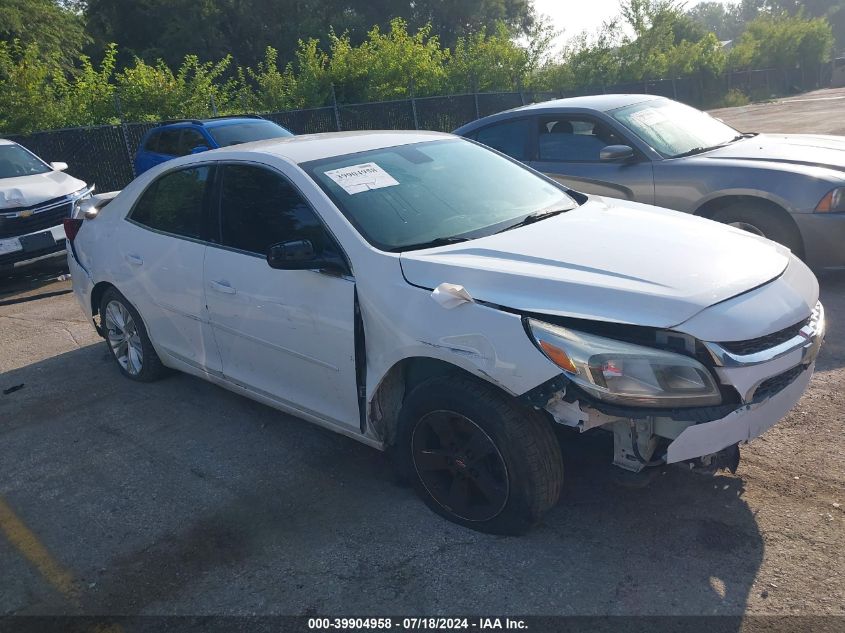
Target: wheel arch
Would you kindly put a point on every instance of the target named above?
(97, 293)
(709, 208)
(389, 395)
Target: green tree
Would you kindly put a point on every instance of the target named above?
(58, 32)
(487, 63)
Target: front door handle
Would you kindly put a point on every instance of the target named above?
(135, 260)
(223, 286)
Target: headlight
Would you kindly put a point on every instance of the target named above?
(833, 202)
(624, 373)
(78, 196)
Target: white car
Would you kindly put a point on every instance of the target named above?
(423, 294)
(35, 198)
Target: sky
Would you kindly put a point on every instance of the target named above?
(574, 16)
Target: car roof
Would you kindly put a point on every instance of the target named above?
(209, 123)
(600, 103)
(5, 141)
(603, 103)
(308, 147)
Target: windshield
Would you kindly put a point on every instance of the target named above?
(673, 128)
(16, 161)
(246, 132)
(403, 197)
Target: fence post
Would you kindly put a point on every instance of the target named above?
(213, 105)
(414, 107)
(336, 109)
(125, 133)
(475, 96)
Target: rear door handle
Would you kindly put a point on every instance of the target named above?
(223, 286)
(135, 260)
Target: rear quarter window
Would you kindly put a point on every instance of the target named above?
(174, 202)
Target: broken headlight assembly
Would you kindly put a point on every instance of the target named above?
(624, 373)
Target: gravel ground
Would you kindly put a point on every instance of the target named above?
(179, 497)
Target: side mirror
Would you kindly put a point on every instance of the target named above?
(616, 153)
(199, 149)
(300, 255)
(58, 166)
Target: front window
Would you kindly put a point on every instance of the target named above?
(15, 161)
(236, 133)
(260, 208)
(573, 139)
(674, 129)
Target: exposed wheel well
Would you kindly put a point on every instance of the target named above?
(387, 401)
(710, 208)
(96, 296)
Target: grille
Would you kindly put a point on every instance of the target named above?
(14, 227)
(754, 345)
(11, 258)
(775, 384)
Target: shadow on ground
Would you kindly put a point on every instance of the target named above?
(180, 498)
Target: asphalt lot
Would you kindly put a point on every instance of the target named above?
(179, 497)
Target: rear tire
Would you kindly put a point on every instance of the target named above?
(761, 220)
(127, 339)
(477, 457)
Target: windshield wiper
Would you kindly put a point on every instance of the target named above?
(693, 151)
(700, 150)
(438, 241)
(531, 218)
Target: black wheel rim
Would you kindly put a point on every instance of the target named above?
(460, 466)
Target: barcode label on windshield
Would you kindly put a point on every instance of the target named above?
(359, 178)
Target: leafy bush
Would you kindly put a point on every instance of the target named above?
(43, 88)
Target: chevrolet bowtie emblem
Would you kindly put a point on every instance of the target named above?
(25, 214)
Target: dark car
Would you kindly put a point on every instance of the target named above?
(190, 136)
(789, 188)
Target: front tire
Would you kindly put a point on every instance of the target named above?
(477, 457)
(127, 339)
(763, 221)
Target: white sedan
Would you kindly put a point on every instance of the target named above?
(425, 295)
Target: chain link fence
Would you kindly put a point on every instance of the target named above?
(103, 155)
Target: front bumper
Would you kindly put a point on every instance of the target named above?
(15, 254)
(769, 375)
(824, 238)
(741, 425)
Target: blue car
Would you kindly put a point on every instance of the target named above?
(191, 136)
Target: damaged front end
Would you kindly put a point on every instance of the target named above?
(674, 399)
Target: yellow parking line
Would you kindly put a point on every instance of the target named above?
(32, 549)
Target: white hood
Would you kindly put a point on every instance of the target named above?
(607, 260)
(26, 191)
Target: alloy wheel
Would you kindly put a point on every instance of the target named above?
(124, 338)
(460, 466)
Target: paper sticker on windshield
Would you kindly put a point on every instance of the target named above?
(648, 116)
(364, 177)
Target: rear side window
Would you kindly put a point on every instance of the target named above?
(174, 203)
(510, 137)
(260, 208)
